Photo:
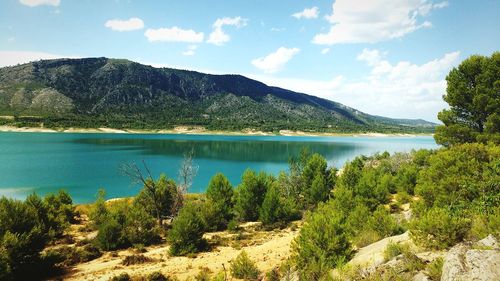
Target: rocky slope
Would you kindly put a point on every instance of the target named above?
(132, 94)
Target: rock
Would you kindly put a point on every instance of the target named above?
(489, 241)
(463, 262)
(421, 277)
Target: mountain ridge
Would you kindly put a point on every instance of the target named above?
(125, 94)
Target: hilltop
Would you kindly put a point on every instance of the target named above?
(103, 92)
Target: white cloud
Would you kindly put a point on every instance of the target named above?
(125, 25)
(277, 29)
(400, 90)
(360, 21)
(191, 50)
(274, 62)
(9, 58)
(218, 37)
(325, 51)
(174, 34)
(307, 13)
(34, 3)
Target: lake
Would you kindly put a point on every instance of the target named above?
(83, 163)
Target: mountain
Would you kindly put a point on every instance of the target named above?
(92, 92)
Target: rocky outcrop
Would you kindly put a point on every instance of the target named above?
(479, 261)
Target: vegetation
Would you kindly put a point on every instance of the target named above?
(186, 235)
(244, 268)
(219, 205)
(76, 93)
(473, 94)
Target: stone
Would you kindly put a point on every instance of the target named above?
(464, 262)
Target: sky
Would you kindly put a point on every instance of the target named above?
(383, 57)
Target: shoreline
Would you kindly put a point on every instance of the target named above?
(182, 130)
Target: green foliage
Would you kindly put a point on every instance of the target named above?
(435, 269)
(250, 194)
(122, 225)
(122, 277)
(244, 268)
(395, 249)
(276, 210)
(157, 276)
(186, 234)
(157, 197)
(438, 228)
(322, 243)
(459, 175)
(316, 180)
(473, 93)
(98, 212)
(219, 210)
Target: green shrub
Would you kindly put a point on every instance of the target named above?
(435, 269)
(122, 277)
(316, 180)
(322, 243)
(438, 228)
(244, 268)
(395, 249)
(140, 227)
(98, 212)
(157, 276)
(110, 235)
(274, 210)
(220, 204)
(233, 226)
(136, 259)
(186, 235)
(250, 194)
(383, 223)
(203, 275)
(159, 200)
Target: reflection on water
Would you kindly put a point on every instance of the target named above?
(83, 163)
(249, 150)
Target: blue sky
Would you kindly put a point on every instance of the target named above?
(383, 57)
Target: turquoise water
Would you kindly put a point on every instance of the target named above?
(83, 163)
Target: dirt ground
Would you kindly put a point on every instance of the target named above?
(267, 249)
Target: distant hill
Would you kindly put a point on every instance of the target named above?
(93, 92)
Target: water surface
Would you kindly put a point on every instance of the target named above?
(83, 163)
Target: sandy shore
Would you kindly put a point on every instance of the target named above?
(196, 131)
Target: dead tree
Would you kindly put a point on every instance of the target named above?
(187, 172)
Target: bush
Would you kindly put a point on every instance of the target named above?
(186, 235)
(322, 243)
(316, 180)
(140, 227)
(438, 228)
(250, 194)
(136, 259)
(165, 193)
(157, 276)
(435, 269)
(244, 268)
(219, 195)
(122, 277)
(395, 249)
(110, 235)
(275, 211)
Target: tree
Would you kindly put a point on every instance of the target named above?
(155, 195)
(473, 93)
(250, 194)
(275, 207)
(220, 205)
(322, 243)
(186, 235)
(187, 172)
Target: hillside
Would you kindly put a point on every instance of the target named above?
(93, 92)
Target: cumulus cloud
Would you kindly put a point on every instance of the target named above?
(398, 90)
(359, 21)
(9, 58)
(34, 3)
(307, 13)
(274, 62)
(218, 37)
(125, 25)
(174, 34)
(191, 50)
